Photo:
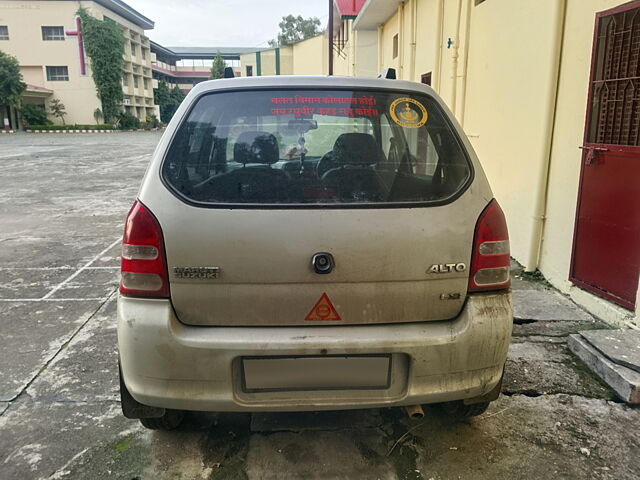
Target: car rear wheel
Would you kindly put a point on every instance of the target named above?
(169, 421)
(459, 411)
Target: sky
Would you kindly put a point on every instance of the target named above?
(223, 23)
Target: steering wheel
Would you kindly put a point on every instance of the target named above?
(325, 164)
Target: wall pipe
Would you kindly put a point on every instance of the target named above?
(401, 41)
(380, 49)
(330, 37)
(414, 37)
(352, 41)
(454, 62)
(467, 42)
(439, 45)
(542, 188)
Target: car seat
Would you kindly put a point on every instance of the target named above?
(355, 156)
(255, 181)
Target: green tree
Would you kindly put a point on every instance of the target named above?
(104, 44)
(217, 67)
(293, 29)
(168, 99)
(177, 95)
(57, 109)
(11, 84)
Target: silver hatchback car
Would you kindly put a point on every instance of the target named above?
(312, 243)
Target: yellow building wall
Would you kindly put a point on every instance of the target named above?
(307, 57)
(414, 60)
(427, 41)
(359, 55)
(564, 174)
(516, 75)
(25, 19)
(366, 53)
(141, 100)
(310, 56)
(286, 60)
(509, 85)
(344, 59)
(32, 75)
(268, 62)
(248, 59)
(388, 31)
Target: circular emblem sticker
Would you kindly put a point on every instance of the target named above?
(408, 113)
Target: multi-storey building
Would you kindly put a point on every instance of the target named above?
(185, 67)
(46, 38)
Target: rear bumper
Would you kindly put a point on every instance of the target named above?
(168, 364)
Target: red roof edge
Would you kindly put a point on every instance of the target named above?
(349, 8)
(35, 88)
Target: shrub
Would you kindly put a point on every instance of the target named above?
(128, 121)
(34, 115)
(154, 121)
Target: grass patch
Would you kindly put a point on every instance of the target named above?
(123, 444)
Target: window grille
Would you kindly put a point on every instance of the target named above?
(4, 32)
(615, 108)
(52, 33)
(58, 74)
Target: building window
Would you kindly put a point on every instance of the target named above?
(395, 46)
(58, 74)
(143, 53)
(133, 49)
(146, 83)
(249, 70)
(135, 82)
(4, 32)
(52, 33)
(125, 80)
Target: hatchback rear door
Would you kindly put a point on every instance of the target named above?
(385, 186)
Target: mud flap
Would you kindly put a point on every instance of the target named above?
(487, 397)
(131, 408)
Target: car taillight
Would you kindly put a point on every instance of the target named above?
(143, 271)
(490, 261)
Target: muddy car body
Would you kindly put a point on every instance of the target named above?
(308, 243)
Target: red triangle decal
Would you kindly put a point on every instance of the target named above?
(323, 311)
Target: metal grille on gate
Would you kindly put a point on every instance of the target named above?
(616, 83)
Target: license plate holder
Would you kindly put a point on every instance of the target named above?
(309, 373)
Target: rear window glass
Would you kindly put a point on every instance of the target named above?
(311, 147)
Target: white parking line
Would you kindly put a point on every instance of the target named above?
(42, 269)
(80, 270)
(88, 299)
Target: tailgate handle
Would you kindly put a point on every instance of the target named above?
(322, 263)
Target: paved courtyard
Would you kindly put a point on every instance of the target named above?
(63, 199)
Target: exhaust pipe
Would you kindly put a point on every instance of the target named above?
(415, 412)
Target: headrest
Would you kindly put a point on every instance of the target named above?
(256, 147)
(356, 149)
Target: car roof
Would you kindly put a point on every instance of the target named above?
(308, 81)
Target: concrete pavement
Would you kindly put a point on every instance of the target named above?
(63, 199)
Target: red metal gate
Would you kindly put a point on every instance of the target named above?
(606, 245)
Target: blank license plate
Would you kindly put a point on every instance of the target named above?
(316, 373)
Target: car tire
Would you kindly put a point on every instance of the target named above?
(459, 411)
(169, 421)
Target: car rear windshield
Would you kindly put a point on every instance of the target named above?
(314, 148)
